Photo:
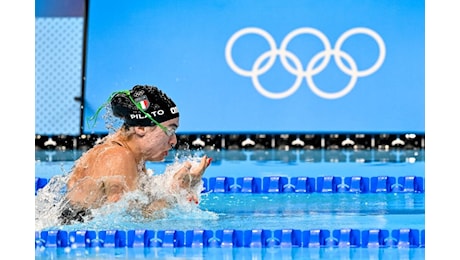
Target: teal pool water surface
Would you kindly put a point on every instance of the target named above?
(262, 205)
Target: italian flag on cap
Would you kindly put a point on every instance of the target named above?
(144, 103)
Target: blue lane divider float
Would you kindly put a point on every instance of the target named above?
(303, 184)
(324, 184)
(230, 238)
(40, 183)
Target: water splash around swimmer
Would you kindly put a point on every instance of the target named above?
(127, 213)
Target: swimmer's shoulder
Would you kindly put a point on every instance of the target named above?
(105, 151)
(114, 149)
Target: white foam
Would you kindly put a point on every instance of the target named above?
(129, 209)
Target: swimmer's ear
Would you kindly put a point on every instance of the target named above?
(140, 130)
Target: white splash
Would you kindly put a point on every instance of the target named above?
(127, 211)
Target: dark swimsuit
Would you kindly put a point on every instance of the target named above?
(71, 214)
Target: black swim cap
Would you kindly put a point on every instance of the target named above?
(151, 99)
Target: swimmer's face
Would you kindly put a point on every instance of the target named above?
(157, 142)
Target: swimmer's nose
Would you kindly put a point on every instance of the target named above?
(173, 141)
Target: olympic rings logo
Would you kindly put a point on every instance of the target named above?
(310, 70)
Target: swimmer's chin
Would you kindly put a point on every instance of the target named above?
(163, 157)
(158, 157)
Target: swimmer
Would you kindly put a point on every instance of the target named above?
(106, 172)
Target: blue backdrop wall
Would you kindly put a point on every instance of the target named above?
(265, 66)
(242, 66)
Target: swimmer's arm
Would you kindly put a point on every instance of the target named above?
(155, 206)
(118, 172)
(114, 190)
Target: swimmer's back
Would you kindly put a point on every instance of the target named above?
(88, 184)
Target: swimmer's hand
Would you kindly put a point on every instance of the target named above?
(187, 177)
(155, 207)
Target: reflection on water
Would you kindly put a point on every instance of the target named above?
(316, 210)
(269, 155)
(209, 253)
(270, 211)
(253, 211)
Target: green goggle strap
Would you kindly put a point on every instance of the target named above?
(127, 93)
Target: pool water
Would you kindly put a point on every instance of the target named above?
(268, 214)
(278, 211)
(242, 253)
